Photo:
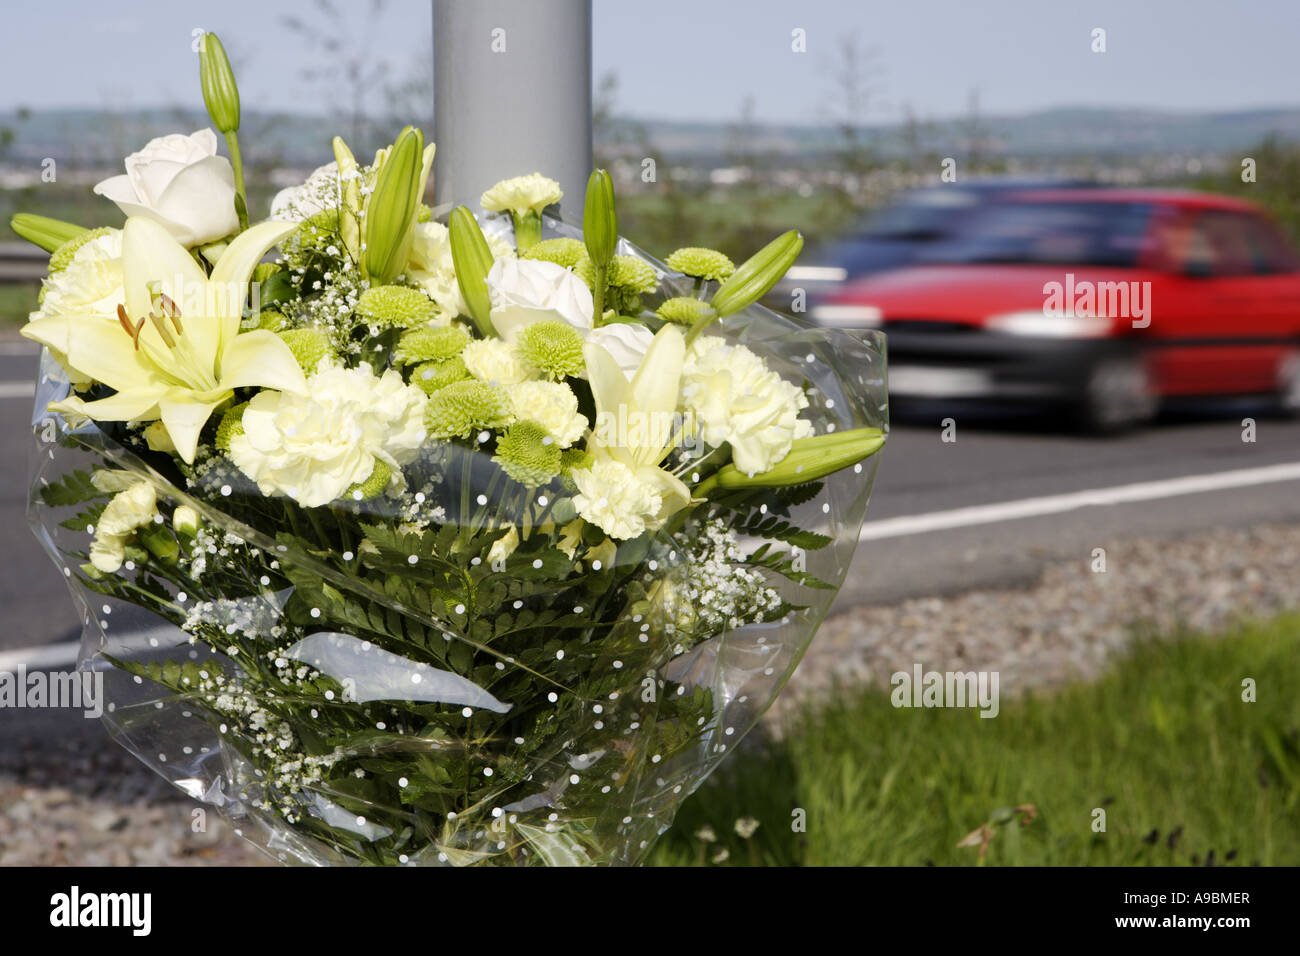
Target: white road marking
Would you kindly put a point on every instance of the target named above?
(62, 656)
(1056, 504)
(17, 389)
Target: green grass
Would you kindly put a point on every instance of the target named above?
(1164, 743)
(16, 301)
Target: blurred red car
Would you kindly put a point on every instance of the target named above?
(1104, 300)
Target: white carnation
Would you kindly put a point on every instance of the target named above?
(315, 445)
(736, 398)
(522, 194)
(495, 361)
(129, 509)
(613, 498)
(91, 284)
(551, 405)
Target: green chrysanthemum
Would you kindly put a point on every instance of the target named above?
(553, 347)
(459, 409)
(563, 252)
(373, 486)
(395, 306)
(430, 345)
(433, 376)
(683, 310)
(232, 424)
(61, 258)
(573, 459)
(308, 346)
(628, 274)
(271, 319)
(528, 454)
(701, 263)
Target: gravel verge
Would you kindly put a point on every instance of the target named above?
(68, 795)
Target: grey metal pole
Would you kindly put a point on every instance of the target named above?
(512, 95)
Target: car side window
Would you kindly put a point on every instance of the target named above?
(1231, 249)
(1270, 250)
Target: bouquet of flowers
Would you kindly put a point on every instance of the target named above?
(406, 542)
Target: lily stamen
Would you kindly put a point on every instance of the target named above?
(131, 330)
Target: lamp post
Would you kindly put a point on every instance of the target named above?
(512, 95)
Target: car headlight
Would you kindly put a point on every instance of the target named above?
(1052, 325)
(851, 316)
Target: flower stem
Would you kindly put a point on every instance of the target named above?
(237, 163)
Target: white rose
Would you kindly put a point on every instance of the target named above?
(315, 445)
(320, 191)
(522, 194)
(495, 361)
(613, 498)
(626, 342)
(551, 405)
(430, 265)
(524, 291)
(91, 284)
(181, 183)
(736, 398)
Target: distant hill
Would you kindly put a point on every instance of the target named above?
(96, 138)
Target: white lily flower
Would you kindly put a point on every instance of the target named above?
(177, 352)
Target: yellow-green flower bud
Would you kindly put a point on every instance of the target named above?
(554, 347)
(43, 231)
(472, 260)
(599, 220)
(759, 273)
(808, 459)
(159, 542)
(220, 94)
(462, 408)
(390, 213)
(682, 310)
(185, 521)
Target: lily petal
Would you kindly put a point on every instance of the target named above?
(228, 285)
(95, 347)
(654, 390)
(128, 406)
(184, 418)
(261, 358)
(150, 254)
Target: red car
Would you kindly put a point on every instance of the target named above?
(1105, 300)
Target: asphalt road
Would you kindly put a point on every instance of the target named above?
(922, 481)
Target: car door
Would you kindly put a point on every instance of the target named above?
(1275, 325)
(1206, 287)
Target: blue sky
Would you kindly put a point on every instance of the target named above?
(702, 59)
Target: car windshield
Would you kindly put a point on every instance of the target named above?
(1063, 233)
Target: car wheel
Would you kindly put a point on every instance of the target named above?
(1117, 396)
(1288, 384)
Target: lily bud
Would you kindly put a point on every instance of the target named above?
(599, 220)
(220, 94)
(185, 521)
(760, 272)
(391, 210)
(42, 231)
(472, 260)
(808, 459)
